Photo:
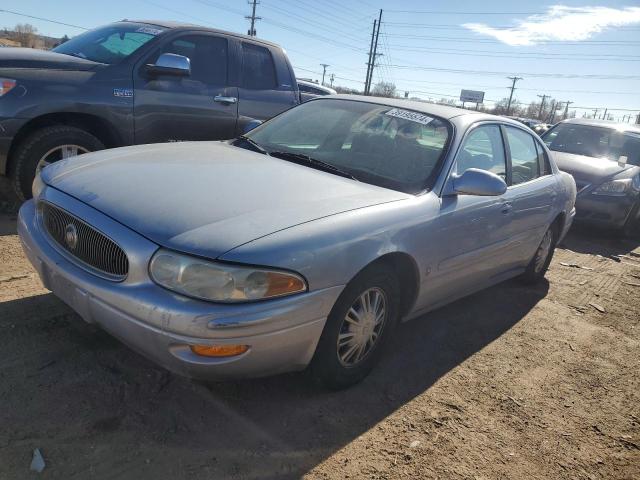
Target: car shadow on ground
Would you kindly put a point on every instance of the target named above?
(93, 405)
(597, 241)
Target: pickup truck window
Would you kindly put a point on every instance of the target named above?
(208, 55)
(110, 44)
(258, 69)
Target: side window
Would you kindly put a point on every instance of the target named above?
(483, 149)
(524, 156)
(543, 160)
(208, 55)
(258, 69)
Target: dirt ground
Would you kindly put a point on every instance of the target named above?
(513, 382)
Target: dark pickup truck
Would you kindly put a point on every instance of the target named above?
(134, 82)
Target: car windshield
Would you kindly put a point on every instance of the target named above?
(386, 146)
(594, 141)
(110, 44)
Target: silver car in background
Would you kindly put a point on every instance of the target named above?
(302, 243)
(604, 159)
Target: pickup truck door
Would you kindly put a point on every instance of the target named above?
(201, 106)
(266, 86)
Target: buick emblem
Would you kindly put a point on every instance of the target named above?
(71, 236)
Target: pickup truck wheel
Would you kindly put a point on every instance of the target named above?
(358, 328)
(631, 227)
(539, 264)
(44, 147)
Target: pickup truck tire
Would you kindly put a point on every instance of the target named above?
(35, 147)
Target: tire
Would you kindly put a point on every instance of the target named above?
(631, 227)
(327, 366)
(539, 264)
(43, 144)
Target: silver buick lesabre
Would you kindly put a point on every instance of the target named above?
(302, 243)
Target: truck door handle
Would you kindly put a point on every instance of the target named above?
(225, 100)
(506, 208)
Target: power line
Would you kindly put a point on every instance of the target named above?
(42, 19)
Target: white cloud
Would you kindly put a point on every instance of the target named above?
(560, 23)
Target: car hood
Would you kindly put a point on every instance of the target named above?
(206, 198)
(590, 169)
(12, 57)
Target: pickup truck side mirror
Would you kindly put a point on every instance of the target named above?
(622, 160)
(477, 182)
(171, 64)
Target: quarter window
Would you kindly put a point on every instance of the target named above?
(483, 149)
(525, 165)
(258, 69)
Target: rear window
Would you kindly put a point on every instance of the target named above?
(258, 69)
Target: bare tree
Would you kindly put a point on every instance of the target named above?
(384, 89)
(26, 34)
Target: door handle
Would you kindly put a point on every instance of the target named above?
(225, 100)
(506, 208)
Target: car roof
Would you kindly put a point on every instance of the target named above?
(443, 111)
(192, 26)
(594, 122)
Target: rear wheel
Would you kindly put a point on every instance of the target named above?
(358, 327)
(44, 147)
(539, 264)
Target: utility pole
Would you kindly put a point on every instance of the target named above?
(566, 109)
(595, 113)
(373, 56)
(373, 36)
(604, 115)
(331, 79)
(324, 70)
(513, 87)
(543, 97)
(552, 113)
(253, 18)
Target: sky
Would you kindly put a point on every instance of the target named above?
(573, 50)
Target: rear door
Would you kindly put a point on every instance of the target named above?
(531, 193)
(202, 106)
(266, 85)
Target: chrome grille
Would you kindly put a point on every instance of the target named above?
(84, 243)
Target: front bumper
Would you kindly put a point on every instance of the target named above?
(606, 211)
(282, 334)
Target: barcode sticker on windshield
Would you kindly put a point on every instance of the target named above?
(149, 30)
(411, 116)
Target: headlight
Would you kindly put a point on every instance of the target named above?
(635, 183)
(614, 187)
(219, 282)
(37, 186)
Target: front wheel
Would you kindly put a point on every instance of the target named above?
(539, 264)
(357, 329)
(44, 147)
(632, 225)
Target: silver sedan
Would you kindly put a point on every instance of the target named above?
(301, 244)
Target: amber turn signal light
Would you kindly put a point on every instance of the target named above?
(218, 350)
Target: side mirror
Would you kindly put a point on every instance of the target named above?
(622, 160)
(171, 64)
(478, 182)
(250, 125)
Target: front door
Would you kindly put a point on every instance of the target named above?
(473, 229)
(195, 107)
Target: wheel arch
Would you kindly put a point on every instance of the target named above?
(100, 128)
(406, 270)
